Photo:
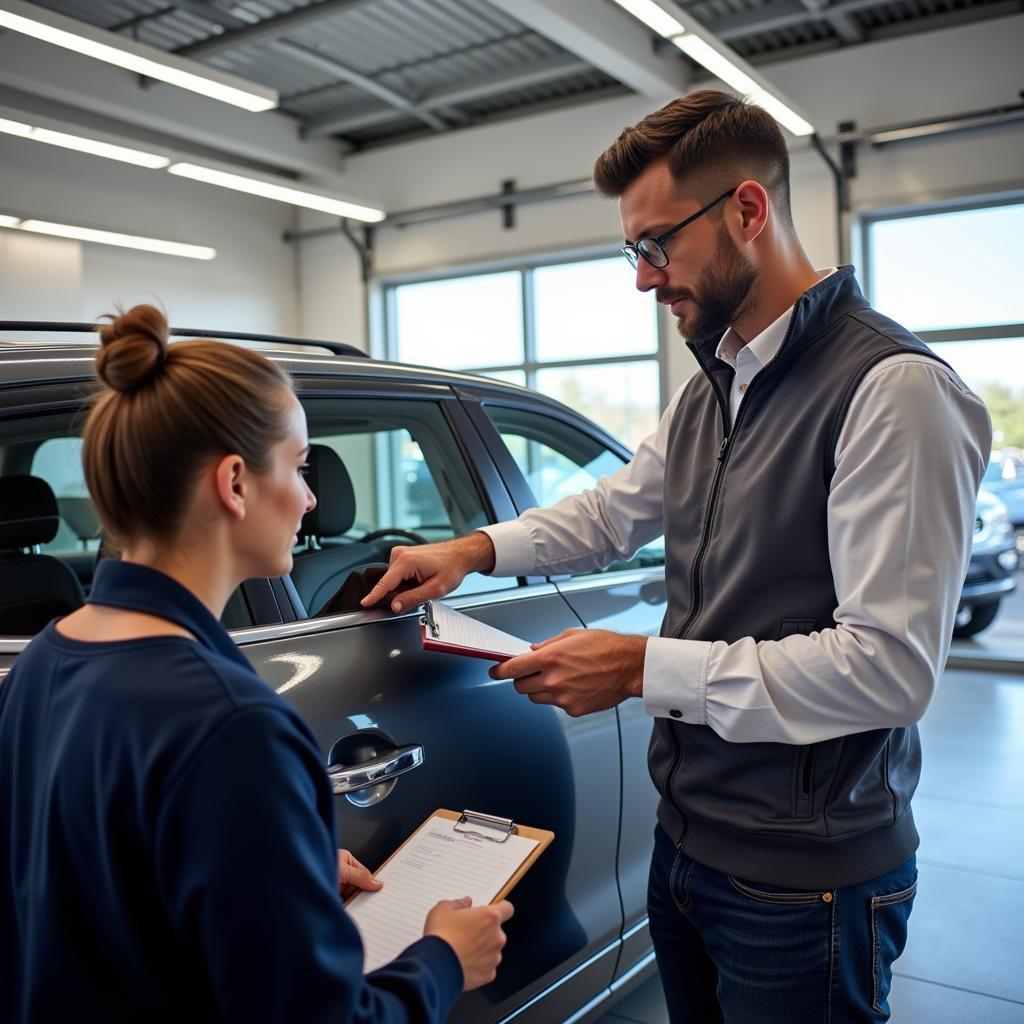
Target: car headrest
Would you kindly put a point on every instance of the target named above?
(328, 479)
(28, 512)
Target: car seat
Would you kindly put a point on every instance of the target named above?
(321, 569)
(34, 588)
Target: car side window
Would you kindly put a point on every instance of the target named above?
(559, 460)
(58, 461)
(386, 471)
(48, 449)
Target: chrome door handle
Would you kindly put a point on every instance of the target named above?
(349, 778)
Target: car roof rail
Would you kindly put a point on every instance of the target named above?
(339, 348)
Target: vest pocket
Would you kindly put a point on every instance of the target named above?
(803, 782)
(796, 627)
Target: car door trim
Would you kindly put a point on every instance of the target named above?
(602, 996)
(601, 581)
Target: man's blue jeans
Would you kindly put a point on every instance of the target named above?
(742, 953)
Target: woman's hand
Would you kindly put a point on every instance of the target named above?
(353, 877)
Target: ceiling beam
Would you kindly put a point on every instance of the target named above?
(269, 28)
(351, 118)
(783, 14)
(198, 8)
(607, 38)
(400, 103)
(842, 24)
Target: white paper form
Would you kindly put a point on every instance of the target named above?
(460, 630)
(437, 863)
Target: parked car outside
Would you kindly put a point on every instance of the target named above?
(992, 572)
(403, 455)
(1004, 477)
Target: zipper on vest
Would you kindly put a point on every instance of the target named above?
(696, 590)
(696, 594)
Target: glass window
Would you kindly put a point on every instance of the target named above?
(993, 370)
(952, 275)
(58, 461)
(558, 461)
(622, 397)
(410, 485)
(946, 270)
(586, 326)
(460, 322)
(591, 309)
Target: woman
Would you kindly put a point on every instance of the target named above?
(170, 851)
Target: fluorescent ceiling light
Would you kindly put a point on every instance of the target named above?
(83, 145)
(14, 127)
(282, 193)
(159, 245)
(788, 118)
(718, 64)
(721, 67)
(149, 61)
(653, 17)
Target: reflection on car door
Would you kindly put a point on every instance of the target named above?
(546, 453)
(367, 688)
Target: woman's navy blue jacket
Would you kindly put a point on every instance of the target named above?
(166, 840)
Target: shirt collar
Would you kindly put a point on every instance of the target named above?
(138, 588)
(763, 347)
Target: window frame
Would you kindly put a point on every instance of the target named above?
(927, 207)
(475, 399)
(274, 602)
(384, 319)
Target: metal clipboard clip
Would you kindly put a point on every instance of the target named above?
(427, 620)
(506, 826)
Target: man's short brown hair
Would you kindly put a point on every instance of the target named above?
(710, 138)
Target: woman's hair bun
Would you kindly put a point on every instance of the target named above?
(133, 348)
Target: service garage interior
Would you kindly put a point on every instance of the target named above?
(412, 177)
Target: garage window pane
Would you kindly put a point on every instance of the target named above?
(621, 397)
(461, 322)
(993, 370)
(592, 309)
(947, 270)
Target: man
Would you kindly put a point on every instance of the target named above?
(815, 483)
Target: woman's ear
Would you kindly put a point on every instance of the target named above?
(232, 485)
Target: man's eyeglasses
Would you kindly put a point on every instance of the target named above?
(653, 249)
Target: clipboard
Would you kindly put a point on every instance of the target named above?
(449, 631)
(392, 919)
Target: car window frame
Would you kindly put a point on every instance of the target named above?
(496, 501)
(274, 602)
(475, 400)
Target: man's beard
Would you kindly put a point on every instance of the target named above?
(726, 287)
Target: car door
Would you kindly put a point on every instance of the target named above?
(546, 452)
(368, 690)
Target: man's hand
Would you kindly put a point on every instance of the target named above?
(438, 568)
(580, 670)
(474, 933)
(353, 876)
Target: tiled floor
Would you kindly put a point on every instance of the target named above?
(964, 963)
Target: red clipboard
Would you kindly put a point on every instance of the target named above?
(446, 630)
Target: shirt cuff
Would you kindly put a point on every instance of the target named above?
(676, 679)
(514, 550)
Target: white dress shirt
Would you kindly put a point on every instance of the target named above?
(900, 511)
